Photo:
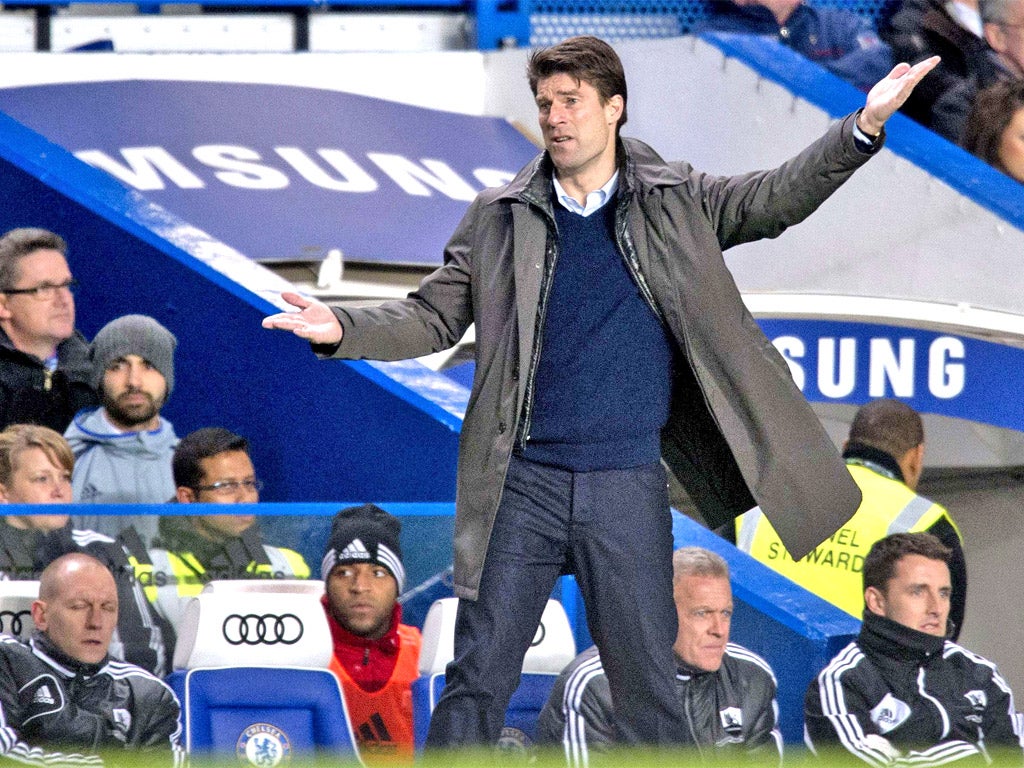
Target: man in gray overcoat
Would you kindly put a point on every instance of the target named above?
(609, 334)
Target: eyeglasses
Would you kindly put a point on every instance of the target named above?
(228, 487)
(44, 292)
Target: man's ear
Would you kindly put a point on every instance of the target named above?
(5, 312)
(995, 37)
(185, 495)
(613, 108)
(874, 600)
(3, 494)
(39, 615)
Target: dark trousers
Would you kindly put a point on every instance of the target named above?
(614, 527)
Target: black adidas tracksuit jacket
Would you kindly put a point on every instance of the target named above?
(899, 696)
(56, 710)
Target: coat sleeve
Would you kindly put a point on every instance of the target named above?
(158, 717)
(432, 318)
(1001, 731)
(589, 722)
(764, 740)
(762, 204)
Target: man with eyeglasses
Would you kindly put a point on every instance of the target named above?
(212, 466)
(45, 374)
(727, 693)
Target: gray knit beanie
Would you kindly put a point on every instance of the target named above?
(133, 335)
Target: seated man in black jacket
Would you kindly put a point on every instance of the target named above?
(902, 694)
(728, 692)
(63, 699)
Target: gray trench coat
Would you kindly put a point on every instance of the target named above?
(740, 433)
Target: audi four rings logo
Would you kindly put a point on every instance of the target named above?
(13, 622)
(268, 629)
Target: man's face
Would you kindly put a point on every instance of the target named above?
(1007, 38)
(704, 606)
(361, 597)
(1011, 147)
(34, 323)
(225, 478)
(81, 616)
(133, 393)
(37, 480)
(578, 130)
(917, 595)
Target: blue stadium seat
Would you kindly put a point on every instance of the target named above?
(264, 715)
(252, 678)
(553, 648)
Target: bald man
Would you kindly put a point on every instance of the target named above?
(63, 690)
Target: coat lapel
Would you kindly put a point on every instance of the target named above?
(529, 245)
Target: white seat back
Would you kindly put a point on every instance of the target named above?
(16, 599)
(552, 649)
(277, 586)
(222, 627)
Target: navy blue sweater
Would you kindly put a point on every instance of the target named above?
(604, 380)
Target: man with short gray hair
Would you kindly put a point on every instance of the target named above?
(727, 692)
(45, 375)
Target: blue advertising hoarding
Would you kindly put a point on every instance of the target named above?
(283, 172)
(934, 372)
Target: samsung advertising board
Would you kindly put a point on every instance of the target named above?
(934, 372)
(283, 172)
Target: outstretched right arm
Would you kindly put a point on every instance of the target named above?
(432, 318)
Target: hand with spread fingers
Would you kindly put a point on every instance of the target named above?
(314, 321)
(889, 93)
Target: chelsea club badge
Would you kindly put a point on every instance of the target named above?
(264, 746)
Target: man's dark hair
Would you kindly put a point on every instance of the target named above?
(199, 445)
(880, 563)
(993, 111)
(887, 425)
(19, 243)
(587, 59)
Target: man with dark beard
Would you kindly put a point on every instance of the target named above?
(123, 449)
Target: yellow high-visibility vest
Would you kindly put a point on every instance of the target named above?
(833, 569)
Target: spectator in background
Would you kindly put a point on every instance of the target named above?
(951, 29)
(1003, 27)
(885, 454)
(728, 692)
(45, 375)
(842, 41)
(212, 466)
(376, 657)
(123, 449)
(64, 692)
(902, 694)
(995, 128)
(35, 468)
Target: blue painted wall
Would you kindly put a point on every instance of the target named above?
(319, 430)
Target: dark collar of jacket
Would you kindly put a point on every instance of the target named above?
(855, 450)
(884, 637)
(66, 665)
(72, 356)
(227, 558)
(24, 553)
(684, 669)
(640, 168)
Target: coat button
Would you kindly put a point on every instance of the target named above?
(501, 427)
